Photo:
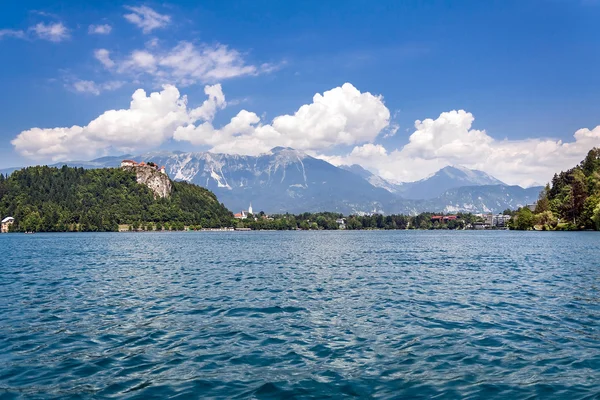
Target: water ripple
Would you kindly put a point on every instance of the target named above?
(300, 315)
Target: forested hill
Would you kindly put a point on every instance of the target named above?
(572, 202)
(47, 199)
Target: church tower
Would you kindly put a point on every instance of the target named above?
(250, 209)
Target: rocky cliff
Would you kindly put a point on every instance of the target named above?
(158, 182)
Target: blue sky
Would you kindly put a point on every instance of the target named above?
(525, 72)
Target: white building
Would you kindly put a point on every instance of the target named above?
(497, 221)
(6, 223)
(244, 214)
(241, 215)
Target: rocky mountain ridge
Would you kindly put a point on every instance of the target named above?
(288, 180)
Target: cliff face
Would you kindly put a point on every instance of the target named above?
(158, 182)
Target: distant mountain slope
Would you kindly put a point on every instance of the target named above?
(473, 199)
(283, 180)
(449, 177)
(485, 198)
(370, 177)
(287, 180)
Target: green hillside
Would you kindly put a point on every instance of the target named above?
(570, 202)
(46, 199)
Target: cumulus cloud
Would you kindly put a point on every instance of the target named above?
(84, 86)
(149, 121)
(103, 29)
(54, 32)
(342, 115)
(146, 18)
(184, 65)
(450, 139)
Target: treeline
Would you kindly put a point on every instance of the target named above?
(570, 202)
(45, 199)
(331, 221)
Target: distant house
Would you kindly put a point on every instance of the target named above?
(241, 215)
(244, 213)
(163, 170)
(496, 220)
(341, 223)
(6, 223)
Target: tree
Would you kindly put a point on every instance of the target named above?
(546, 219)
(596, 217)
(543, 204)
(101, 199)
(304, 225)
(523, 220)
(591, 162)
(32, 223)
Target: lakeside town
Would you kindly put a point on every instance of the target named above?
(140, 196)
(247, 221)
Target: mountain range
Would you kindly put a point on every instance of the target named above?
(288, 180)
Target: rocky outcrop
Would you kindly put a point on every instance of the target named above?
(157, 181)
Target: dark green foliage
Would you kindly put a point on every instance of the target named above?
(328, 221)
(48, 199)
(571, 202)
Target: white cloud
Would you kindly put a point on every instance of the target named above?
(450, 139)
(149, 121)
(84, 86)
(54, 32)
(103, 56)
(146, 18)
(340, 116)
(206, 63)
(103, 29)
(19, 34)
(140, 60)
(185, 64)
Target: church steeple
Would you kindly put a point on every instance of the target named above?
(250, 209)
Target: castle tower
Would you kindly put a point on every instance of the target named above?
(250, 209)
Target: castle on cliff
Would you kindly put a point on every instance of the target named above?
(131, 163)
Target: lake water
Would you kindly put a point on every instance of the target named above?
(398, 314)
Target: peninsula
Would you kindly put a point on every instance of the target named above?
(47, 199)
